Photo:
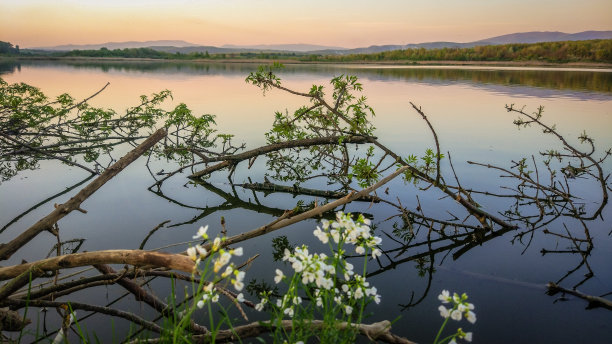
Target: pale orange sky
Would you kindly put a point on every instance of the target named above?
(346, 23)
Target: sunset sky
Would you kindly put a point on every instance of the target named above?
(346, 23)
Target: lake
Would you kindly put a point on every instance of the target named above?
(504, 277)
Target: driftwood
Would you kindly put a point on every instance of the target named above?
(133, 257)
(270, 187)
(380, 331)
(46, 223)
(232, 160)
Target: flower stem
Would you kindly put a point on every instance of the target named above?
(440, 331)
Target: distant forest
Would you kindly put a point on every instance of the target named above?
(7, 48)
(561, 52)
(556, 52)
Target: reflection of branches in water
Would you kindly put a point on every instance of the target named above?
(72, 187)
(594, 301)
(268, 188)
(231, 200)
(540, 199)
(542, 196)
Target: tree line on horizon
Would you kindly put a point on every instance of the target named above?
(598, 51)
(560, 52)
(7, 48)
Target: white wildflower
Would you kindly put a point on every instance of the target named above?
(444, 313)
(371, 291)
(376, 253)
(228, 271)
(470, 316)
(286, 255)
(201, 250)
(191, 252)
(216, 244)
(444, 296)
(289, 312)
(297, 266)
(201, 233)
(279, 276)
(377, 298)
(455, 315)
(238, 281)
(322, 236)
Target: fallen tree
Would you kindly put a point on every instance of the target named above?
(321, 140)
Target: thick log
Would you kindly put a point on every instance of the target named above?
(132, 257)
(231, 160)
(46, 223)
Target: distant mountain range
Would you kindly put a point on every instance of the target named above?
(173, 46)
(118, 45)
(283, 47)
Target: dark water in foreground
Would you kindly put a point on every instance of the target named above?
(504, 278)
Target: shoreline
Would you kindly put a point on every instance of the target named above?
(366, 64)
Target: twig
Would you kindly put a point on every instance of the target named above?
(594, 301)
(20, 303)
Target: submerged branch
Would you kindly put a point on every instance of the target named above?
(594, 301)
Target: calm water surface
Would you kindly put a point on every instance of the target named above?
(504, 280)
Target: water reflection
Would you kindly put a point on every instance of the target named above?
(426, 235)
(580, 84)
